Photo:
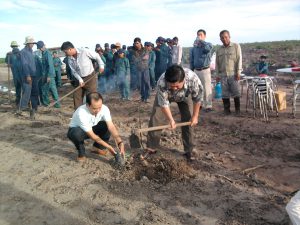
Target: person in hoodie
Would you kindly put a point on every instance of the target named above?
(48, 79)
(122, 70)
(13, 60)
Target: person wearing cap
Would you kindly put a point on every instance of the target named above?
(162, 54)
(101, 76)
(48, 78)
(170, 51)
(182, 86)
(125, 50)
(13, 61)
(176, 52)
(134, 81)
(122, 70)
(228, 70)
(262, 66)
(152, 58)
(82, 68)
(140, 57)
(108, 73)
(39, 73)
(30, 92)
(57, 68)
(200, 58)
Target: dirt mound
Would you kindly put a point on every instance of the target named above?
(159, 169)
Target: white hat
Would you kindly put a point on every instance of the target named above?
(29, 40)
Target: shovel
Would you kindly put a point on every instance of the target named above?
(135, 141)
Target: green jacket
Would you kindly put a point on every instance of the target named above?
(47, 64)
(57, 64)
(122, 66)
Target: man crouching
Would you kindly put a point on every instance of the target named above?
(183, 87)
(93, 120)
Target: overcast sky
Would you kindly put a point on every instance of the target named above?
(88, 22)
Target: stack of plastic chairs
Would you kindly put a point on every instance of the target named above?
(263, 96)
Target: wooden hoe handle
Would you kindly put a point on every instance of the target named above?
(161, 127)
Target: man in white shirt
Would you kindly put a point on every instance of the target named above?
(80, 62)
(93, 120)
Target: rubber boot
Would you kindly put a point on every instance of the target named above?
(226, 103)
(237, 105)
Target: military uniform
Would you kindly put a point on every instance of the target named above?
(57, 67)
(48, 73)
(122, 70)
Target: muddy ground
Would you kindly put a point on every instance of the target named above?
(244, 172)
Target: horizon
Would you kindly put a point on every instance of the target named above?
(90, 22)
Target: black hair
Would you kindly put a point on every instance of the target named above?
(263, 57)
(224, 31)
(93, 96)
(66, 45)
(174, 73)
(201, 30)
(137, 39)
(175, 38)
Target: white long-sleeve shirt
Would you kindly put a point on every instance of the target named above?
(82, 66)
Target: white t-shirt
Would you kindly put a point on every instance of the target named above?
(83, 118)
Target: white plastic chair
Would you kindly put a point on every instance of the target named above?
(296, 93)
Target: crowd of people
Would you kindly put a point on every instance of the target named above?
(142, 67)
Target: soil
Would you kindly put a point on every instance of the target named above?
(244, 172)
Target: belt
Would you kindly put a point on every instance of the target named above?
(203, 68)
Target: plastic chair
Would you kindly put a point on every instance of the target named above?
(263, 97)
(296, 93)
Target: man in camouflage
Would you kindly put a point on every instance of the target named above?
(183, 87)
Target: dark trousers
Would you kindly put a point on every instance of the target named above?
(158, 118)
(77, 136)
(18, 87)
(144, 84)
(30, 92)
(79, 94)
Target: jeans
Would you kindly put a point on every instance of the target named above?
(77, 136)
(145, 84)
(152, 77)
(30, 92)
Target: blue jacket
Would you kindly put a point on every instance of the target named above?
(200, 54)
(15, 62)
(27, 62)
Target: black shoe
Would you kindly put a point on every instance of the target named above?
(189, 157)
(32, 114)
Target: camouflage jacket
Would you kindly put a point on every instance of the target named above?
(192, 86)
